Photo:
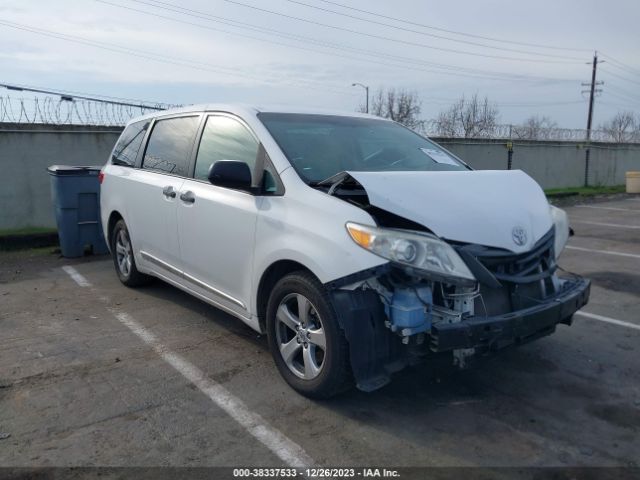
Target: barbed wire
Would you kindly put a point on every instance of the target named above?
(60, 111)
(433, 128)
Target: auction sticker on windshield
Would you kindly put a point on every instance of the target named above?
(439, 156)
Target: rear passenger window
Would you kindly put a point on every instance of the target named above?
(126, 149)
(224, 138)
(170, 144)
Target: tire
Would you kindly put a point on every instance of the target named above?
(298, 352)
(123, 258)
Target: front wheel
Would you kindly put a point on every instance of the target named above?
(305, 339)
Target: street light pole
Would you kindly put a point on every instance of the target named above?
(367, 90)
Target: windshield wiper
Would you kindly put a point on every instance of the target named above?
(330, 180)
(334, 181)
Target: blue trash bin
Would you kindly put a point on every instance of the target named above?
(76, 199)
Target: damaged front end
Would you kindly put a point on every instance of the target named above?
(437, 297)
(392, 318)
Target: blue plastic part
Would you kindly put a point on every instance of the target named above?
(75, 192)
(409, 311)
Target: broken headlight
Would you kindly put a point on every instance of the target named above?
(427, 254)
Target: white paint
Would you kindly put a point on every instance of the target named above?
(609, 208)
(561, 223)
(284, 448)
(607, 252)
(76, 276)
(481, 206)
(613, 321)
(614, 225)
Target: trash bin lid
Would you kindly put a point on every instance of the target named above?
(73, 170)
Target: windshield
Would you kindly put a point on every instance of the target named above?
(319, 146)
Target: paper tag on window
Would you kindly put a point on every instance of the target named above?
(439, 156)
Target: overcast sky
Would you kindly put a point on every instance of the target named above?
(192, 51)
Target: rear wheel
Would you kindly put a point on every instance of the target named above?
(305, 339)
(123, 259)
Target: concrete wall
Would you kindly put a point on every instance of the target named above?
(25, 153)
(27, 150)
(552, 164)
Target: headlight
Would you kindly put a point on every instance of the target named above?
(561, 223)
(426, 253)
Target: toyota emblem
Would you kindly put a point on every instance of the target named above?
(519, 235)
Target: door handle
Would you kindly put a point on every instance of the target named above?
(188, 197)
(169, 192)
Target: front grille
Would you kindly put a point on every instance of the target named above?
(536, 264)
(510, 281)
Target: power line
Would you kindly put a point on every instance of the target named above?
(627, 79)
(618, 105)
(268, 31)
(624, 92)
(453, 69)
(431, 27)
(156, 57)
(442, 37)
(623, 98)
(150, 56)
(540, 104)
(390, 39)
(621, 65)
(624, 69)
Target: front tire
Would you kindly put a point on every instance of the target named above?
(305, 338)
(123, 258)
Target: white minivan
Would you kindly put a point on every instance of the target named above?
(357, 245)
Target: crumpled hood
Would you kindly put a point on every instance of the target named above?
(486, 207)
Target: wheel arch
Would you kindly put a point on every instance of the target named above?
(268, 280)
(114, 216)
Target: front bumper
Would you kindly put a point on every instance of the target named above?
(493, 333)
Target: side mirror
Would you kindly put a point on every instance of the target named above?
(230, 174)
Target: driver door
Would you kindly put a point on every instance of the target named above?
(217, 225)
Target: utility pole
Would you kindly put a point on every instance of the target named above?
(592, 93)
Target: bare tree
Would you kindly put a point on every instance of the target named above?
(622, 127)
(468, 118)
(535, 128)
(399, 105)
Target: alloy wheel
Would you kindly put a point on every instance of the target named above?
(300, 336)
(124, 254)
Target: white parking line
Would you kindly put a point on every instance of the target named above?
(607, 252)
(613, 321)
(609, 208)
(79, 279)
(284, 448)
(614, 225)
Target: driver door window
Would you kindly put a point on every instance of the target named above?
(224, 138)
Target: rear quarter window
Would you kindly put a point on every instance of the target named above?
(126, 150)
